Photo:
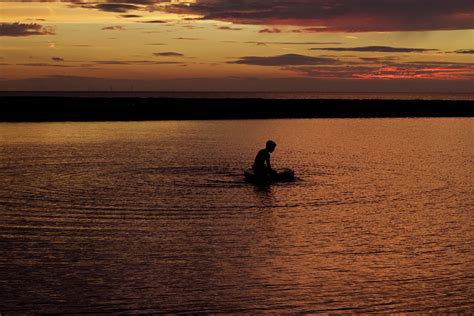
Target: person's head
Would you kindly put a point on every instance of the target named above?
(270, 146)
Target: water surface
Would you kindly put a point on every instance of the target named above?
(155, 217)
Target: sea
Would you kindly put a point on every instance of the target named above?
(155, 217)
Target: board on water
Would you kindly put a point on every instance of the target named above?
(282, 175)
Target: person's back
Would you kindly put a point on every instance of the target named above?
(262, 157)
(262, 165)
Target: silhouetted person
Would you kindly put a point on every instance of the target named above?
(262, 166)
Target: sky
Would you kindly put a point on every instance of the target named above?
(238, 45)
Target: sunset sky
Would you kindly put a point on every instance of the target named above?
(232, 45)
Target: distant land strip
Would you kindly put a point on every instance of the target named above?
(44, 109)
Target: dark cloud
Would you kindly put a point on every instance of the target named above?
(192, 27)
(377, 49)
(315, 15)
(187, 38)
(447, 64)
(142, 2)
(284, 60)
(169, 54)
(293, 43)
(57, 59)
(45, 65)
(21, 29)
(465, 51)
(378, 59)
(340, 15)
(137, 2)
(340, 72)
(135, 62)
(228, 28)
(111, 62)
(113, 7)
(310, 29)
(154, 22)
(129, 16)
(113, 28)
(270, 30)
(155, 44)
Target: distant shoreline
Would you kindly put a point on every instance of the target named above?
(46, 108)
(295, 95)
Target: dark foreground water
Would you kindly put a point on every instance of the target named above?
(155, 217)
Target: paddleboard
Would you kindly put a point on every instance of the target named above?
(282, 175)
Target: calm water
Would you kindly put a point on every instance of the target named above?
(155, 217)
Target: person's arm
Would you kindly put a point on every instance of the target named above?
(269, 165)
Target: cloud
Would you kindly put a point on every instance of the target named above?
(292, 43)
(270, 30)
(340, 15)
(442, 63)
(420, 70)
(57, 59)
(21, 29)
(112, 62)
(112, 7)
(169, 54)
(45, 65)
(378, 59)
(465, 51)
(284, 60)
(154, 22)
(314, 15)
(378, 49)
(113, 28)
(135, 62)
(390, 71)
(339, 72)
(129, 16)
(310, 29)
(187, 38)
(228, 28)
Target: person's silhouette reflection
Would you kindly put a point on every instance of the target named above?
(262, 166)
